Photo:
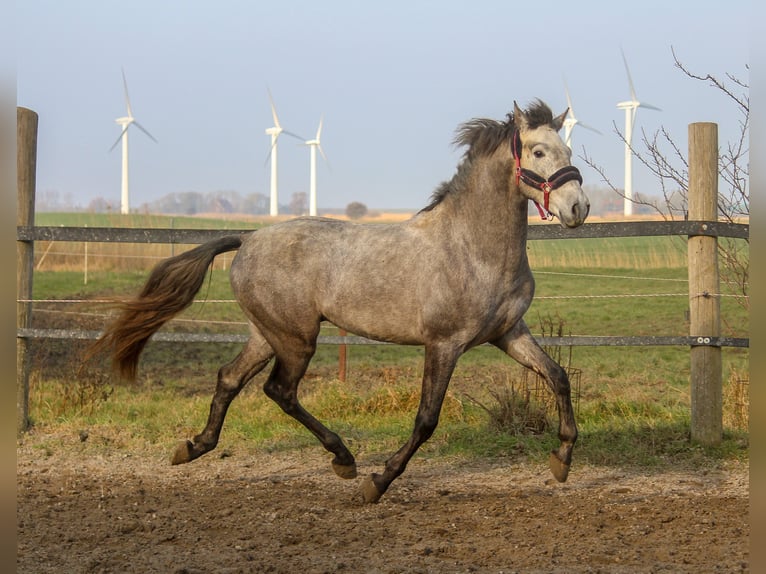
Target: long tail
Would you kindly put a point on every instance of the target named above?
(170, 289)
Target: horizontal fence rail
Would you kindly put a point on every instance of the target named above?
(536, 232)
(569, 341)
(196, 236)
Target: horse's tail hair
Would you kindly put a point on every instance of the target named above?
(170, 289)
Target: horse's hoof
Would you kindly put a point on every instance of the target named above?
(370, 492)
(183, 453)
(559, 469)
(345, 470)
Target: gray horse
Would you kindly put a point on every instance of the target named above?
(452, 277)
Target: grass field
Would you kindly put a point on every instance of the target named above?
(633, 403)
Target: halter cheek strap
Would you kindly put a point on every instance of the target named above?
(559, 178)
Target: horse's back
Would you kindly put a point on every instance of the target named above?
(321, 249)
(359, 276)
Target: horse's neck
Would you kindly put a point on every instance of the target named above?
(487, 215)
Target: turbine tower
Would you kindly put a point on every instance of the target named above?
(630, 107)
(275, 132)
(313, 145)
(571, 121)
(125, 123)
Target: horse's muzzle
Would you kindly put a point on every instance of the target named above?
(577, 215)
(570, 204)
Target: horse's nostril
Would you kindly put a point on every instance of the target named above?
(581, 210)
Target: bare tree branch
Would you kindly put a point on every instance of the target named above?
(743, 101)
(667, 162)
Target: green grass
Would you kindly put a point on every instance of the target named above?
(635, 253)
(633, 402)
(375, 420)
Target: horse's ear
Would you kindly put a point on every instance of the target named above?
(558, 121)
(519, 118)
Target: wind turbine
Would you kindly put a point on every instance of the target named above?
(313, 145)
(630, 108)
(125, 123)
(274, 132)
(571, 121)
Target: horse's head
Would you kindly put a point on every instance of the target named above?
(544, 172)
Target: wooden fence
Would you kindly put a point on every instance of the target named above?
(702, 229)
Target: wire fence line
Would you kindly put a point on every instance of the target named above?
(600, 276)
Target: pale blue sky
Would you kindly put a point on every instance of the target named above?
(393, 80)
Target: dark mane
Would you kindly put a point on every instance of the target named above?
(482, 137)
(539, 114)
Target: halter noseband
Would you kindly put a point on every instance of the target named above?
(559, 178)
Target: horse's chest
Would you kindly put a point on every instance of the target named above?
(510, 305)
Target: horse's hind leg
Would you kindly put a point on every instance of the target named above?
(232, 378)
(282, 388)
(521, 346)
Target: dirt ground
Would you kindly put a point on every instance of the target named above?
(80, 511)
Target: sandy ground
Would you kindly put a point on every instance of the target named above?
(80, 511)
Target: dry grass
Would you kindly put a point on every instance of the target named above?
(514, 410)
(121, 257)
(736, 401)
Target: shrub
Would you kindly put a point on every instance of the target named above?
(356, 210)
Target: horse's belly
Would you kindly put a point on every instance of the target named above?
(382, 317)
(407, 317)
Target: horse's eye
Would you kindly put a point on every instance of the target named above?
(538, 154)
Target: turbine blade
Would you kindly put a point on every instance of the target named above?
(143, 129)
(630, 80)
(569, 100)
(271, 148)
(649, 107)
(127, 98)
(273, 110)
(324, 157)
(292, 135)
(587, 127)
(319, 129)
(119, 139)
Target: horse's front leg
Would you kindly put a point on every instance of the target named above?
(519, 344)
(440, 361)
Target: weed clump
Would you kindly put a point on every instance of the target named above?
(515, 411)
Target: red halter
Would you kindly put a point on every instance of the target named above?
(559, 178)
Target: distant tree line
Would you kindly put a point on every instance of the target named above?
(180, 202)
(193, 202)
(603, 202)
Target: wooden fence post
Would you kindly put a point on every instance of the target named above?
(26, 168)
(704, 288)
(342, 357)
